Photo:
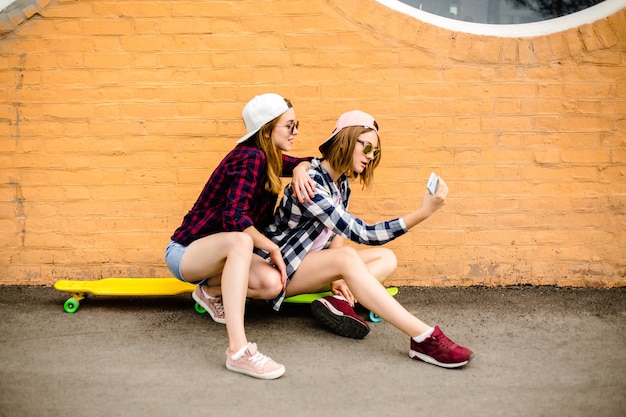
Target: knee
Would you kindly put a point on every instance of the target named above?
(349, 256)
(271, 288)
(265, 284)
(240, 241)
(390, 261)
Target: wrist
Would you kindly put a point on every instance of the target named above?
(274, 249)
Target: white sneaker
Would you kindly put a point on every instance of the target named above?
(251, 362)
(213, 305)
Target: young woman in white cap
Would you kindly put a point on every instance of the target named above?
(309, 234)
(214, 244)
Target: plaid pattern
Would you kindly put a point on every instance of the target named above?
(296, 225)
(234, 198)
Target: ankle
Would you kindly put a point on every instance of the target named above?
(238, 352)
(423, 336)
(207, 291)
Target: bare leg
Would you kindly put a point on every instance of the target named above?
(318, 269)
(229, 253)
(263, 282)
(380, 262)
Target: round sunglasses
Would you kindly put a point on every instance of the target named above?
(368, 148)
(292, 127)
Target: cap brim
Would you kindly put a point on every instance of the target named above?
(329, 138)
(247, 136)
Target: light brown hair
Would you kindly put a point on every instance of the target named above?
(339, 149)
(274, 156)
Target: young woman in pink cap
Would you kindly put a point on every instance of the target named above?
(309, 235)
(214, 244)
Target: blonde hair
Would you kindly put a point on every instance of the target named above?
(273, 155)
(338, 151)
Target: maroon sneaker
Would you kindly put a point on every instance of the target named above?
(441, 351)
(337, 314)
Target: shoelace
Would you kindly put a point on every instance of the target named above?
(259, 359)
(219, 307)
(443, 341)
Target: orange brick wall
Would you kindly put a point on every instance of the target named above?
(114, 113)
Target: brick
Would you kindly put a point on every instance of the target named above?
(509, 51)
(483, 50)
(142, 43)
(590, 89)
(550, 89)
(586, 155)
(107, 27)
(606, 33)
(71, 60)
(525, 52)
(574, 42)
(65, 77)
(559, 46)
(585, 123)
(461, 44)
(551, 156)
(139, 10)
(507, 106)
(590, 38)
(508, 123)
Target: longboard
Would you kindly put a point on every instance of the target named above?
(309, 298)
(124, 287)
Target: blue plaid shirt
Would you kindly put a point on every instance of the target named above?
(297, 225)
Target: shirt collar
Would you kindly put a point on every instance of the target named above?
(316, 164)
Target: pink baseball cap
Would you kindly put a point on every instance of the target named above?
(353, 118)
(261, 110)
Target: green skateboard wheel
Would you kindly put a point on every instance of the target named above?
(200, 309)
(71, 305)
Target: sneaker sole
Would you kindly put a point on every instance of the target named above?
(270, 375)
(425, 358)
(208, 310)
(341, 324)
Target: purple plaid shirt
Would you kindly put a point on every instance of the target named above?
(234, 198)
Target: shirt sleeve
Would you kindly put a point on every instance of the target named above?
(290, 162)
(336, 218)
(245, 171)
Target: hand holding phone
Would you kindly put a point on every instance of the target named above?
(433, 183)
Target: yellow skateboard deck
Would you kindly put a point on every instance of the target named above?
(128, 287)
(309, 298)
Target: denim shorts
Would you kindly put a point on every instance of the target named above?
(173, 257)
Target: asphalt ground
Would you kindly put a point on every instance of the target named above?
(540, 351)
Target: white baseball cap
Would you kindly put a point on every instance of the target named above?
(261, 110)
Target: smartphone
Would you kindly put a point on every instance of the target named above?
(433, 183)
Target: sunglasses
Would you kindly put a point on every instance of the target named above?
(292, 127)
(368, 148)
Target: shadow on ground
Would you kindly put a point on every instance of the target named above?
(540, 351)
